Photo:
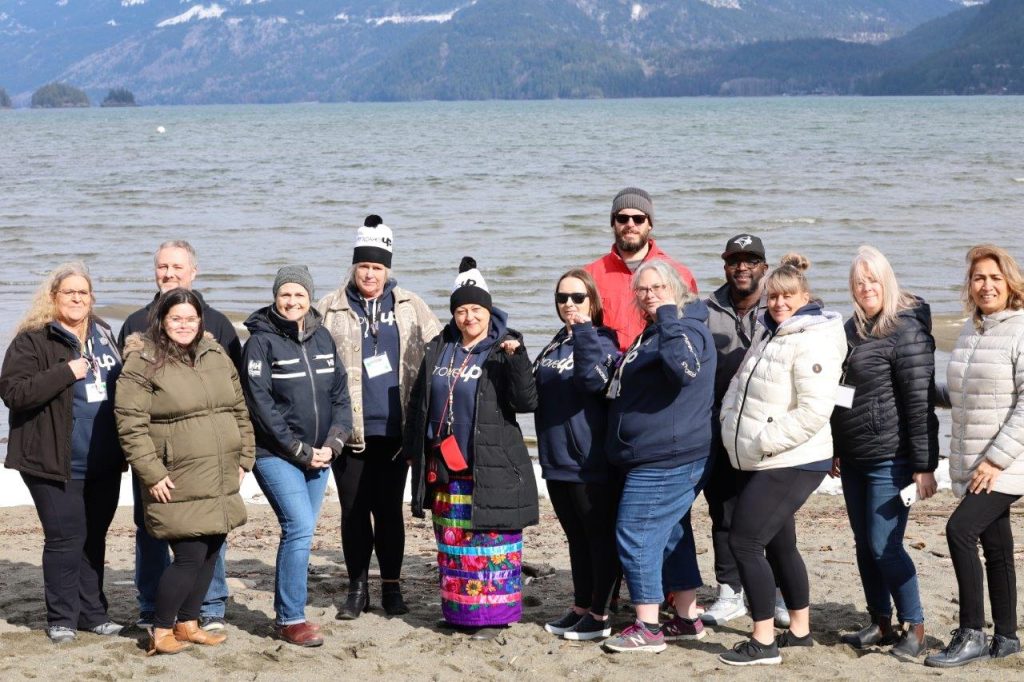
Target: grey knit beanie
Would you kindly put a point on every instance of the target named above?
(633, 197)
(294, 274)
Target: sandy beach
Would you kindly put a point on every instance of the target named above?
(412, 647)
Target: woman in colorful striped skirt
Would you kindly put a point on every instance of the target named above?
(470, 464)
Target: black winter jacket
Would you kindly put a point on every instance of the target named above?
(36, 384)
(295, 387)
(504, 486)
(893, 413)
(214, 321)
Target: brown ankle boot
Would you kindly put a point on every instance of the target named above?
(912, 643)
(163, 641)
(189, 631)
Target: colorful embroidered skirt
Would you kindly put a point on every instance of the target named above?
(480, 571)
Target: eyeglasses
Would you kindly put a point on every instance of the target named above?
(577, 298)
(183, 321)
(749, 261)
(74, 293)
(623, 218)
(656, 289)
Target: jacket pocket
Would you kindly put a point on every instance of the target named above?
(168, 456)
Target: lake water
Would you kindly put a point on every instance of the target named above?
(525, 187)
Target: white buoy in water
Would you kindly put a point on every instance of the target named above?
(161, 130)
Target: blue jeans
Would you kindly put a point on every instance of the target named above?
(295, 494)
(653, 531)
(152, 556)
(879, 518)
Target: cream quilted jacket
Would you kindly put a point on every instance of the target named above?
(985, 380)
(776, 411)
(416, 325)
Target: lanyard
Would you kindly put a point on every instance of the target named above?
(615, 386)
(90, 357)
(371, 309)
(449, 407)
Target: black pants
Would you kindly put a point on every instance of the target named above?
(721, 492)
(75, 516)
(985, 517)
(184, 583)
(371, 485)
(763, 537)
(587, 512)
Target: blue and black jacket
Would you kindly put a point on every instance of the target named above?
(572, 413)
(295, 387)
(660, 416)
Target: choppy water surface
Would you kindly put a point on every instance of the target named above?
(525, 187)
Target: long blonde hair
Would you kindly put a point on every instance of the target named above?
(43, 308)
(894, 299)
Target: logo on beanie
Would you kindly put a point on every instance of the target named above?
(743, 241)
(468, 283)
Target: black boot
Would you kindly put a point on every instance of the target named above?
(911, 644)
(391, 599)
(879, 631)
(358, 600)
(1004, 646)
(966, 645)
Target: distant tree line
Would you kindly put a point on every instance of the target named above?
(58, 96)
(119, 97)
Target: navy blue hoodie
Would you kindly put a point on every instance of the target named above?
(661, 416)
(454, 370)
(382, 400)
(572, 411)
(295, 387)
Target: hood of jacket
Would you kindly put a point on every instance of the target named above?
(267, 320)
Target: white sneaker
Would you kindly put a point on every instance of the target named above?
(781, 612)
(727, 606)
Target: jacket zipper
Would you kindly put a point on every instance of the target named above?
(220, 445)
(312, 385)
(739, 414)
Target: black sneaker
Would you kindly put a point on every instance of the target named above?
(752, 652)
(1004, 646)
(788, 639)
(589, 628)
(966, 645)
(566, 622)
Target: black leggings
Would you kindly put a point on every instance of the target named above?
(985, 517)
(371, 483)
(763, 537)
(587, 512)
(184, 583)
(75, 516)
(721, 492)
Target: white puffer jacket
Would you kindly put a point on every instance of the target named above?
(776, 411)
(985, 382)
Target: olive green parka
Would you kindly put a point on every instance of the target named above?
(189, 423)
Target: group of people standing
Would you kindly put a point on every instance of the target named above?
(645, 397)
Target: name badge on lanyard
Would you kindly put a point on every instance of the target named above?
(96, 390)
(844, 396)
(377, 365)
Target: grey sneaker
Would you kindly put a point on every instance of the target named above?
(727, 606)
(108, 629)
(781, 612)
(636, 638)
(211, 623)
(59, 634)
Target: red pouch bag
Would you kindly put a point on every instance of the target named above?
(451, 453)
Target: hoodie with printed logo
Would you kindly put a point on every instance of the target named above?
(572, 411)
(661, 416)
(294, 386)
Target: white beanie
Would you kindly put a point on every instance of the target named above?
(373, 242)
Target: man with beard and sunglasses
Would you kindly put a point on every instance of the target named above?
(734, 311)
(632, 219)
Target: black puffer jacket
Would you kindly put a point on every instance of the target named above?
(893, 413)
(504, 486)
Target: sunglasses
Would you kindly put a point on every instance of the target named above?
(623, 218)
(577, 298)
